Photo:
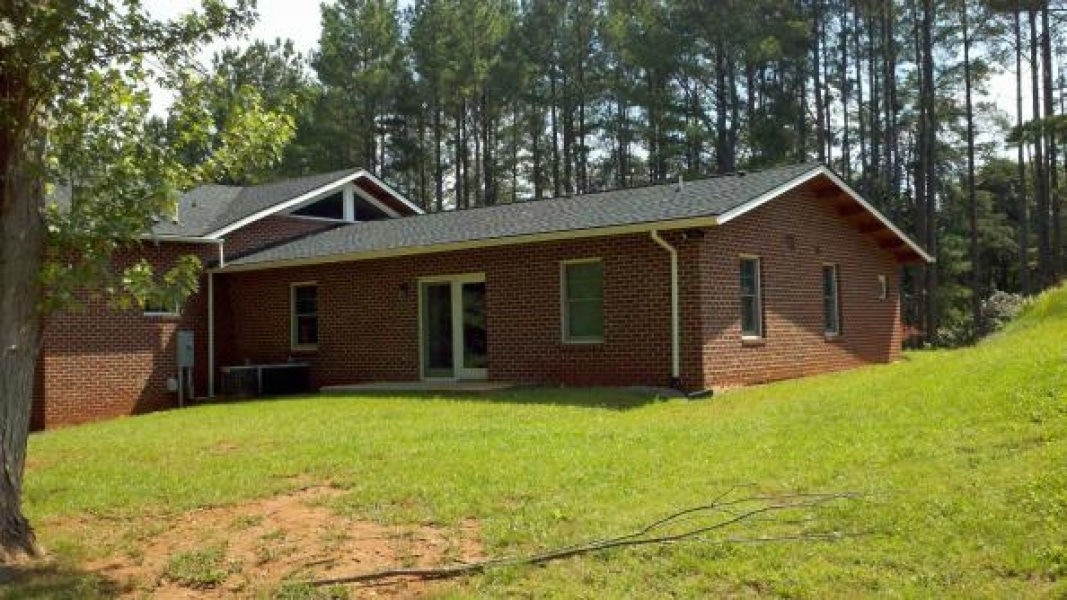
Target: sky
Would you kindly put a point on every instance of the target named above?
(299, 20)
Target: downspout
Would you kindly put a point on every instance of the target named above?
(210, 334)
(676, 370)
(211, 322)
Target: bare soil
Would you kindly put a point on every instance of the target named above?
(265, 543)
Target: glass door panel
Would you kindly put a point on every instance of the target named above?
(437, 343)
(475, 357)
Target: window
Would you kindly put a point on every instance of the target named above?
(831, 306)
(883, 287)
(583, 301)
(751, 298)
(155, 306)
(330, 207)
(305, 315)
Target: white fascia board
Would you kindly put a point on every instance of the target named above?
(374, 202)
(281, 206)
(487, 243)
(808, 176)
(392, 192)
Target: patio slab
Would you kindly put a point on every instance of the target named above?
(464, 387)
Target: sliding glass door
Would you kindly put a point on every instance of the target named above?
(452, 316)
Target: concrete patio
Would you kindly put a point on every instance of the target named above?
(450, 387)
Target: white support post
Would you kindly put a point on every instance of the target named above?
(349, 203)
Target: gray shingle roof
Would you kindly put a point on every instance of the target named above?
(652, 204)
(209, 208)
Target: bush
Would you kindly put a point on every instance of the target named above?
(959, 329)
(998, 309)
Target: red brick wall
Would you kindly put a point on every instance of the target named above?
(271, 230)
(101, 363)
(368, 314)
(794, 343)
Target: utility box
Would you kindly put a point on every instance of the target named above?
(186, 349)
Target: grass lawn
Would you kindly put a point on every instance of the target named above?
(961, 457)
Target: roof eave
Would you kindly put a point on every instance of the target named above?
(673, 224)
(181, 239)
(853, 194)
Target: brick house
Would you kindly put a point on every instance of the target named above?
(720, 282)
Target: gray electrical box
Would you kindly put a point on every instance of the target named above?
(186, 349)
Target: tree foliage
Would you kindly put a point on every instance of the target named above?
(85, 173)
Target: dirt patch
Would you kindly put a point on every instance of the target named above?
(248, 550)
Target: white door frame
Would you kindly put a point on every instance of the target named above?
(459, 371)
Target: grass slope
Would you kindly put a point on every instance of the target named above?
(961, 457)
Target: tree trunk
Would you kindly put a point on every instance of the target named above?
(846, 150)
(972, 199)
(817, 84)
(1024, 218)
(1050, 143)
(723, 157)
(1041, 191)
(21, 253)
(438, 158)
(929, 95)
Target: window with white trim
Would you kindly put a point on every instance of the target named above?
(883, 287)
(751, 298)
(158, 307)
(583, 301)
(830, 301)
(304, 315)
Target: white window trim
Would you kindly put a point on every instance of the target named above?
(883, 287)
(759, 335)
(161, 314)
(837, 300)
(176, 312)
(292, 314)
(564, 313)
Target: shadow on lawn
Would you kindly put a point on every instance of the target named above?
(54, 580)
(615, 399)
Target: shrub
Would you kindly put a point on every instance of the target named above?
(998, 309)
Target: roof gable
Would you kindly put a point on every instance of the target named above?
(213, 211)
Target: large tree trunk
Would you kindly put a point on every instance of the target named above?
(1050, 144)
(1024, 218)
(21, 252)
(1041, 191)
(972, 198)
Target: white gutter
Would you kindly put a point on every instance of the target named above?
(182, 239)
(676, 370)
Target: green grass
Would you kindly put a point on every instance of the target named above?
(961, 457)
(204, 568)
